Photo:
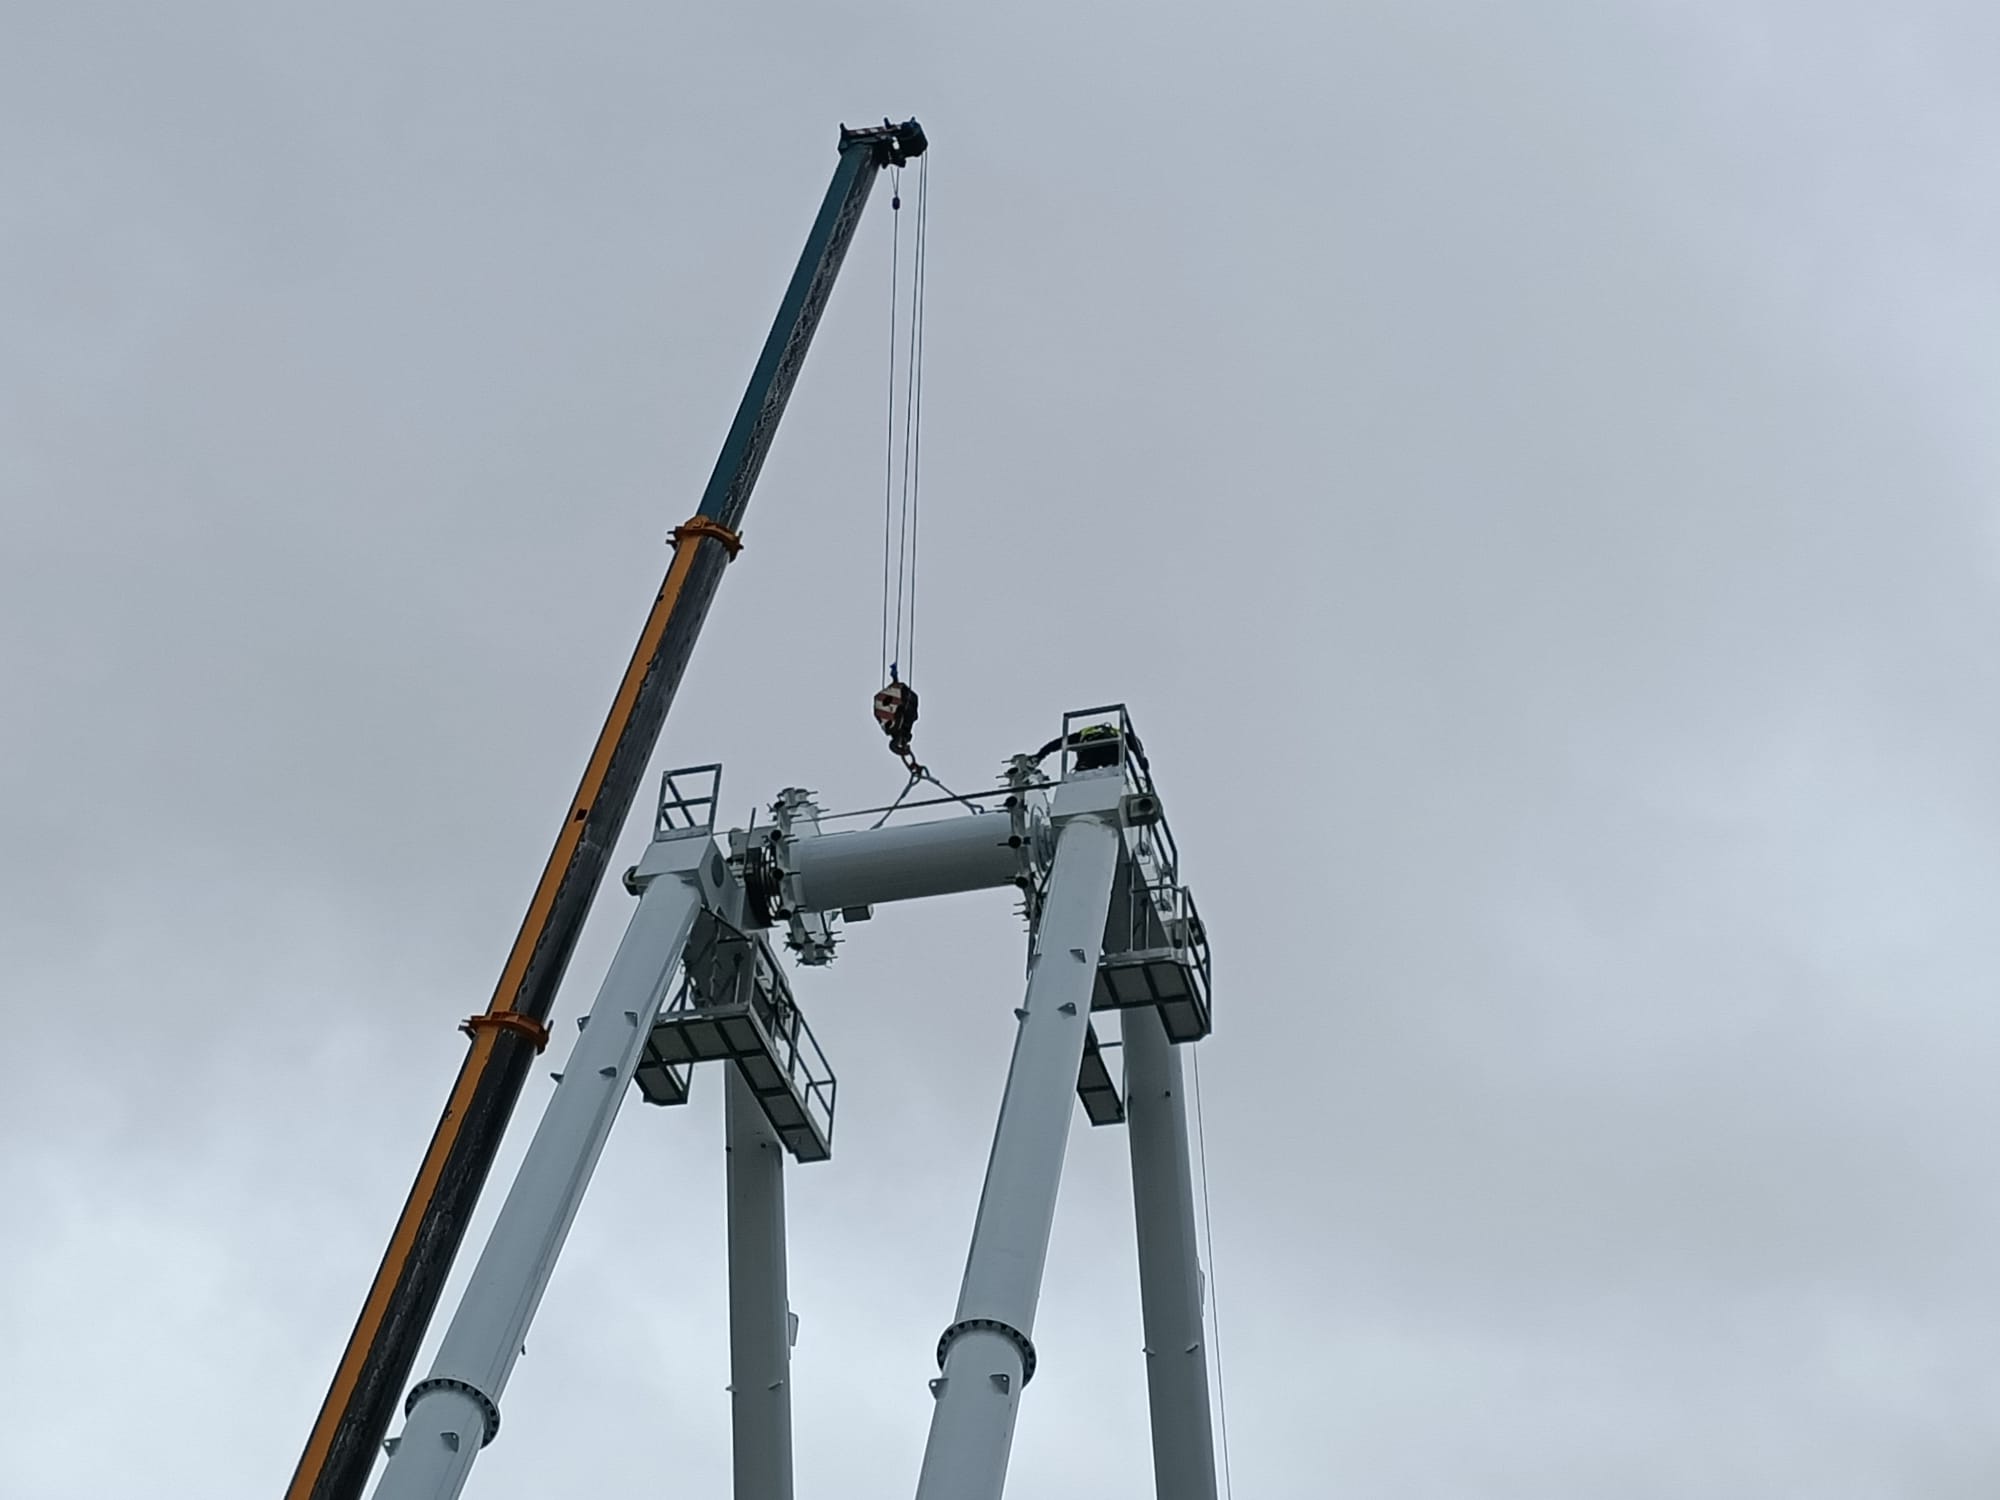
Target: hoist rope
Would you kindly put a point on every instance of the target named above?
(900, 483)
(1208, 1250)
(914, 423)
(889, 425)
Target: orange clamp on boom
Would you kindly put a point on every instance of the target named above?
(507, 1020)
(700, 526)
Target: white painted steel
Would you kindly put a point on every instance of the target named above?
(905, 861)
(760, 1391)
(455, 1411)
(1170, 1284)
(972, 1423)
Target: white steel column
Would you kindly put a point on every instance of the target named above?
(986, 1354)
(760, 1394)
(456, 1410)
(1170, 1290)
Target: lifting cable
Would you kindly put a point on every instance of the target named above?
(1214, 1308)
(896, 701)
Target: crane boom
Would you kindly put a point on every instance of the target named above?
(376, 1363)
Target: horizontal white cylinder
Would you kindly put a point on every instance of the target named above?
(975, 852)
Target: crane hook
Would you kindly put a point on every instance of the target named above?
(896, 712)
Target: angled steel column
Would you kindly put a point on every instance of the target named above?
(986, 1355)
(456, 1410)
(760, 1345)
(1169, 1267)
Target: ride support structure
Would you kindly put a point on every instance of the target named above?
(1118, 968)
(1114, 941)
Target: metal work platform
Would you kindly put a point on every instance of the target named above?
(1155, 947)
(1096, 1089)
(1164, 965)
(735, 1005)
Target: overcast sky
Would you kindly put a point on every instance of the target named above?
(1529, 469)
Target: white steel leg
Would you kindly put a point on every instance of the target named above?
(456, 1410)
(760, 1400)
(986, 1354)
(1169, 1267)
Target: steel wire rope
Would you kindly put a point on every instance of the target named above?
(901, 484)
(889, 434)
(920, 261)
(1214, 1295)
(903, 508)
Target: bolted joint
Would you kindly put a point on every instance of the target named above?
(1007, 1331)
(762, 871)
(488, 1410)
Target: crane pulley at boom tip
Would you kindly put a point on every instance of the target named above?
(896, 144)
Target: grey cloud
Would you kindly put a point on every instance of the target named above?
(1529, 473)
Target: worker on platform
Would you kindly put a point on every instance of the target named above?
(1095, 747)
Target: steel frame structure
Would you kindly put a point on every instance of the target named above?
(695, 979)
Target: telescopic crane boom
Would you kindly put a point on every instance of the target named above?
(504, 1040)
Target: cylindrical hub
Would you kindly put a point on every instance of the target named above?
(834, 871)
